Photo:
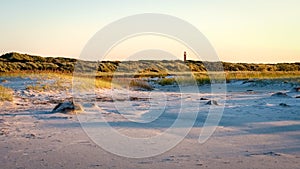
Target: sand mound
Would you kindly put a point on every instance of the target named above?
(68, 107)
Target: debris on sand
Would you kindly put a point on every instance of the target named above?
(202, 98)
(280, 94)
(212, 102)
(138, 99)
(30, 135)
(4, 81)
(249, 81)
(296, 89)
(68, 107)
(283, 105)
(271, 153)
(104, 99)
(4, 131)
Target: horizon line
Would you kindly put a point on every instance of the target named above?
(70, 57)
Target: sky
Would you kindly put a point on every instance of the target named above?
(256, 31)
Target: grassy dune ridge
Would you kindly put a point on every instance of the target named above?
(16, 62)
(56, 74)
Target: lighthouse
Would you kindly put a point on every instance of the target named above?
(184, 56)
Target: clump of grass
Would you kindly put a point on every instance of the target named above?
(39, 87)
(82, 83)
(4, 81)
(130, 83)
(184, 80)
(167, 81)
(138, 83)
(87, 83)
(202, 81)
(291, 76)
(102, 83)
(51, 83)
(6, 94)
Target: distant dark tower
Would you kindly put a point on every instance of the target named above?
(184, 56)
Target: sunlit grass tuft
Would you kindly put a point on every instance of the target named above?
(6, 94)
(140, 84)
(167, 81)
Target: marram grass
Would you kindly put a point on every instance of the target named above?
(6, 94)
(53, 81)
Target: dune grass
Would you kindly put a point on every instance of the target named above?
(59, 81)
(242, 75)
(140, 84)
(167, 81)
(88, 83)
(51, 81)
(215, 77)
(17, 62)
(184, 81)
(6, 94)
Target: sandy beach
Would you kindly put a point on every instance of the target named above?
(150, 84)
(259, 129)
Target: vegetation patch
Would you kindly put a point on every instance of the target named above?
(56, 73)
(6, 94)
(16, 62)
(140, 84)
(167, 81)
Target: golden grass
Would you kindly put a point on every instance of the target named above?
(6, 94)
(182, 80)
(137, 83)
(63, 81)
(293, 76)
(205, 78)
(167, 81)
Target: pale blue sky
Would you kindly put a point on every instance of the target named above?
(240, 30)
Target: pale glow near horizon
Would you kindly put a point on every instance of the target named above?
(149, 46)
(241, 31)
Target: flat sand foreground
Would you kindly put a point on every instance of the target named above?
(258, 130)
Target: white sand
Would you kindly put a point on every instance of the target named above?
(255, 132)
